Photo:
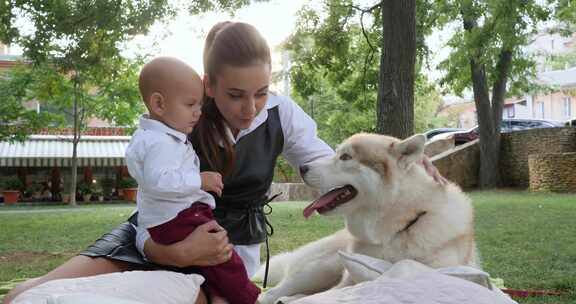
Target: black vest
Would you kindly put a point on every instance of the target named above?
(239, 209)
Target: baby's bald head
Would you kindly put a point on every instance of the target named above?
(167, 76)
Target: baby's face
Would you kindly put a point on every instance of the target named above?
(183, 105)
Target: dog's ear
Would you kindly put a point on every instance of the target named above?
(410, 150)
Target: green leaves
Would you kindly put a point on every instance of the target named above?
(16, 120)
(495, 26)
(73, 54)
(336, 67)
(563, 61)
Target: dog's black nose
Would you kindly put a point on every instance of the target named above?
(303, 170)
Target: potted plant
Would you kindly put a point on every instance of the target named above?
(98, 193)
(86, 190)
(129, 188)
(11, 188)
(107, 187)
(35, 191)
(66, 189)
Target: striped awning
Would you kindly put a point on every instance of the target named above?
(56, 151)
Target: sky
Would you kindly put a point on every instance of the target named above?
(184, 36)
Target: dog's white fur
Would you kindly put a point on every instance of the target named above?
(393, 189)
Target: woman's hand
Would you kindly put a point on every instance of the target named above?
(207, 245)
(212, 182)
(432, 171)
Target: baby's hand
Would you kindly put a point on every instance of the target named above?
(212, 182)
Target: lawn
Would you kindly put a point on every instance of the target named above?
(529, 240)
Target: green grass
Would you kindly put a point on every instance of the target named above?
(527, 239)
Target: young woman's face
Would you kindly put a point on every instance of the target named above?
(240, 93)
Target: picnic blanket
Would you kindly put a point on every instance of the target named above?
(409, 282)
(405, 282)
(131, 287)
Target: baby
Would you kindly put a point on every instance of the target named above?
(172, 199)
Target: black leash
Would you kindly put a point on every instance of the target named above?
(269, 232)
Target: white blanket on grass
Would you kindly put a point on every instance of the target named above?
(131, 287)
(409, 282)
(406, 282)
(423, 288)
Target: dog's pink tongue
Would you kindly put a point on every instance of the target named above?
(321, 202)
(311, 208)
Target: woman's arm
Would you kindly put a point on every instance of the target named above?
(301, 142)
(206, 246)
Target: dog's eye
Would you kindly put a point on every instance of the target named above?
(345, 156)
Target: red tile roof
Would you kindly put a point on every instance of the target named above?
(95, 131)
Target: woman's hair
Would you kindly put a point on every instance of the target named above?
(227, 44)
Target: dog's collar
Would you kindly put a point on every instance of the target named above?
(412, 222)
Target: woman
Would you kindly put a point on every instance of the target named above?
(243, 130)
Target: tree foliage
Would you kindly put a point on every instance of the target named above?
(73, 53)
(335, 70)
(73, 50)
(230, 6)
(78, 44)
(16, 120)
(562, 61)
(487, 57)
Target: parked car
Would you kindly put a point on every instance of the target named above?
(431, 133)
(506, 126)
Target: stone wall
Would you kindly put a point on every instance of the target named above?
(516, 148)
(438, 146)
(460, 165)
(555, 172)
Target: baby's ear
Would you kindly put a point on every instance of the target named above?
(157, 103)
(410, 150)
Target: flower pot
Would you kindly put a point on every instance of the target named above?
(129, 194)
(36, 195)
(86, 197)
(10, 196)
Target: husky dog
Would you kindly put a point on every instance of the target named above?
(392, 208)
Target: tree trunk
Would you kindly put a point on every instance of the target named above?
(395, 106)
(489, 111)
(75, 140)
(489, 139)
(490, 162)
(74, 172)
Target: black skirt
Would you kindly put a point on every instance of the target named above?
(246, 224)
(119, 244)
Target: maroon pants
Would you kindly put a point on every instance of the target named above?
(228, 280)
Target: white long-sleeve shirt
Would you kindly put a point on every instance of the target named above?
(167, 170)
(301, 143)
